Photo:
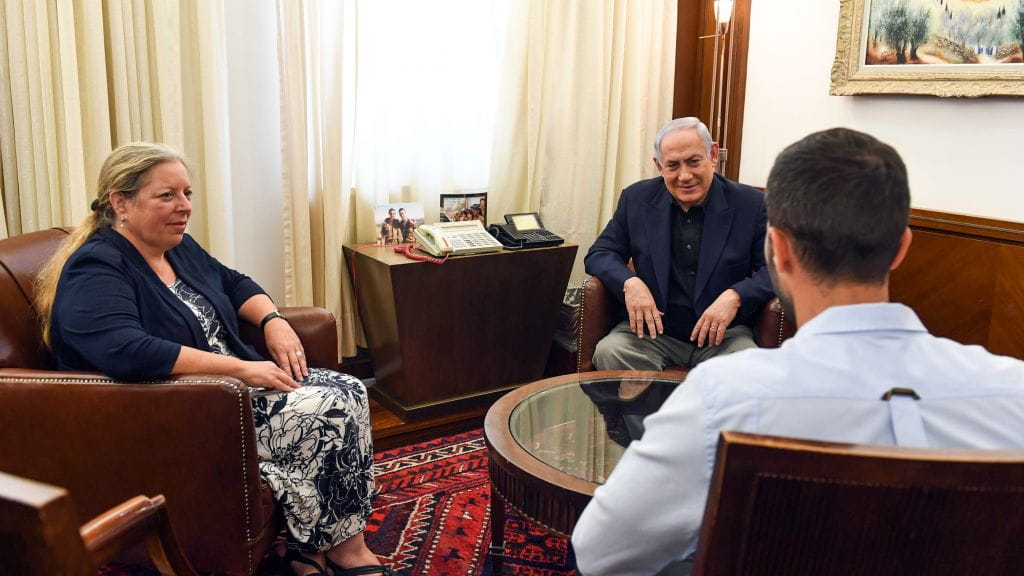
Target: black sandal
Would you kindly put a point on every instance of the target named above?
(359, 570)
(296, 556)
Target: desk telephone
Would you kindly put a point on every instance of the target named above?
(524, 231)
(455, 238)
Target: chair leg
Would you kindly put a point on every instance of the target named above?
(163, 546)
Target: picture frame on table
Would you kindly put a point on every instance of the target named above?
(464, 207)
(395, 222)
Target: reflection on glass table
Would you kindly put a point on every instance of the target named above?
(583, 428)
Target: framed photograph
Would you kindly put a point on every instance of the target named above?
(964, 48)
(395, 222)
(462, 207)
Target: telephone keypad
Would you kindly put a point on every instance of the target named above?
(472, 240)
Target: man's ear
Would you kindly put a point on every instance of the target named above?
(714, 154)
(904, 246)
(782, 250)
(657, 164)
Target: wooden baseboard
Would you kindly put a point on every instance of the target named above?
(389, 431)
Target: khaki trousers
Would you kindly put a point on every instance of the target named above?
(622, 350)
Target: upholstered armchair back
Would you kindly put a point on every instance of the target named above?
(21, 259)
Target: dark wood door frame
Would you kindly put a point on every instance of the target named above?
(693, 95)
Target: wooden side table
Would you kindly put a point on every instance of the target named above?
(457, 335)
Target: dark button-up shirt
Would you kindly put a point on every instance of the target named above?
(687, 228)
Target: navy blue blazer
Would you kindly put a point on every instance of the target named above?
(731, 247)
(114, 315)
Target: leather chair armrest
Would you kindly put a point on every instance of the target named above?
(773, 325)
(190, 438)
(316, 328)
(597, 316)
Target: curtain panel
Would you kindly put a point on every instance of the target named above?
(80, 78)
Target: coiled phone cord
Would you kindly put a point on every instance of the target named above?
(407, 250)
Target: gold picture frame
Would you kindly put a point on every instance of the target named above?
(860, 68)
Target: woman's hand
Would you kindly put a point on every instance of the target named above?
(264, 374)
(286, 348)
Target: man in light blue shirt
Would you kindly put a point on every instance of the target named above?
(838, 207)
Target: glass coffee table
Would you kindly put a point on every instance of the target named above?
(552, 442)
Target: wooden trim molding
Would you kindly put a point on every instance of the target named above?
(963, 225)
(735, 102)
(964, 276)
(687, 85)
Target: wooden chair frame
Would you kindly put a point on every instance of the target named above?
(786, 506)
(40, 534)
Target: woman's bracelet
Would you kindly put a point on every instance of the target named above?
(269, 317)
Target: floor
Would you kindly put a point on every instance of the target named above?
(389, 431)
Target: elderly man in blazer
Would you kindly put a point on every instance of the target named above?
(696, 242)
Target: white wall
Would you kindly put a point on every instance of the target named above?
(255, 129)
(963, 156)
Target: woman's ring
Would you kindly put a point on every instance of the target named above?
(298, 353)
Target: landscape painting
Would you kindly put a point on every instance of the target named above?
(939, 47)
(945, 32)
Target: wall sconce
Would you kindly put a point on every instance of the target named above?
(723, 13)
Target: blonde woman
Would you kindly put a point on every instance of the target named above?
(132, 295)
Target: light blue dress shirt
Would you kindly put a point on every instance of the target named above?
(825, 383)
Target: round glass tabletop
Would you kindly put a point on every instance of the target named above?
(582, 428)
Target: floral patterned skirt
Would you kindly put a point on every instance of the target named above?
(316, 453)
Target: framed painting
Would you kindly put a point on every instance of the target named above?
(964, 48)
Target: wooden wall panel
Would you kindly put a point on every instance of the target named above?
(1006, 336)
(950, 282)
(964, 276)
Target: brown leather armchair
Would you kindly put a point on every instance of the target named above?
(190, 438)
(599, 313)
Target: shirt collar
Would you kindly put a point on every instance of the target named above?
(874, 317)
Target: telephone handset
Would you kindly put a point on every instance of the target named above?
(525, 231)
(455, 238)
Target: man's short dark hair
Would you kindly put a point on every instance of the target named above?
(842, 197)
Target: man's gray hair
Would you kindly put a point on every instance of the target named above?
(689, 122)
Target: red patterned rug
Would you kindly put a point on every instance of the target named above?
(432, 516)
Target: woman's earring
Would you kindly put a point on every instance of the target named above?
(123, 220)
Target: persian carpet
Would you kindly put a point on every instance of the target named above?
(432, 517)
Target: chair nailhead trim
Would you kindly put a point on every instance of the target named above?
(579, 337)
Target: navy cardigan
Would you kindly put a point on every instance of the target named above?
(114, 315)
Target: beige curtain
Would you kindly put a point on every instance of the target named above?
(586, 87)
(316, 51)
(78, 78)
